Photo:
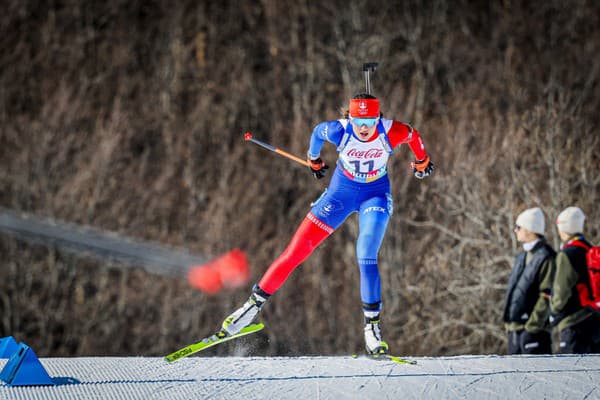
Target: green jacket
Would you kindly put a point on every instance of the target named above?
(563, 291)
(538, 320)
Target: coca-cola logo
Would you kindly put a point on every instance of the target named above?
(366, 154)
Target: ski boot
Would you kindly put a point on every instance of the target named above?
(374, 345)
(244, 315)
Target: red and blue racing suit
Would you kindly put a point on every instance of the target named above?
(359, 184)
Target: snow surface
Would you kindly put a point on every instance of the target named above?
(470, 377)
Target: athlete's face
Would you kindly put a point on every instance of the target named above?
(364, 132)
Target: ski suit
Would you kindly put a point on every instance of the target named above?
(359, 184)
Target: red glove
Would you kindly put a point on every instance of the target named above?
(318, 167)
(422, 168)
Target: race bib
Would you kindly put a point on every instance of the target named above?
(364, 161)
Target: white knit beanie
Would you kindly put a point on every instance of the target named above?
(533, 220)
(570, 220)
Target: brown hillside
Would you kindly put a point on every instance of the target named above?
(129, 116)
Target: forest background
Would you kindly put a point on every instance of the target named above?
(129, 116)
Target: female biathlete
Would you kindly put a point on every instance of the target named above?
(364, 141)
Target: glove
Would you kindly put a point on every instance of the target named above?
(318, 167)
(422, 168)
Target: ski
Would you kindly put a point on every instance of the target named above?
(384, 357)
(211, 341)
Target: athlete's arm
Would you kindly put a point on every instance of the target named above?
(400, 133)
(330, 131)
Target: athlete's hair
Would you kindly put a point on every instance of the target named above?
(345, 111)
(363, 96)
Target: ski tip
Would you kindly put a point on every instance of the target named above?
(247, 136)
(385, 357)
(170, 358)
(254, 327)
(402, 360)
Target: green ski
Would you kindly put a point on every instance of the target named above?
(382, 357)
(211, 341)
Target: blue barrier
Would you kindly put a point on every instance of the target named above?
(24, 369)
(8, 346)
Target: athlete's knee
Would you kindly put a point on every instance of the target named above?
(367, 246)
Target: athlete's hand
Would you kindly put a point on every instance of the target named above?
(422, 168)
(318, 167)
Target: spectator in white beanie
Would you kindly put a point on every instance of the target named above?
(533, 220)
(570, 221)
(578, 327)
(526, 307)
